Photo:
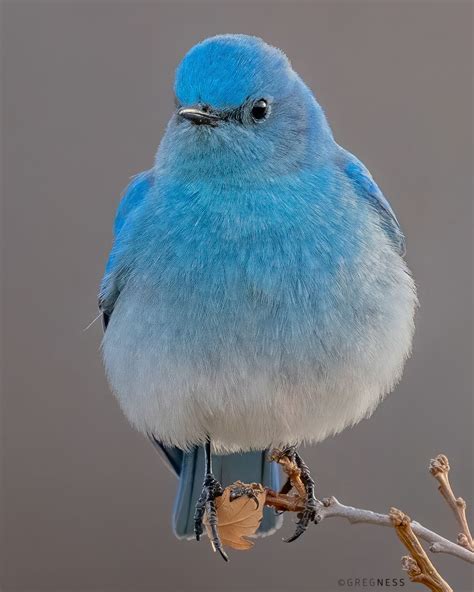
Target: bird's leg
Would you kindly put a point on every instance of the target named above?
(287, 453)
(211, 489)
(309, 513)
(287, 459)
(299, 478)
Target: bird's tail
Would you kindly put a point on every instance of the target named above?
(249, 467)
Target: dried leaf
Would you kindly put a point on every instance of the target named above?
(239, 518)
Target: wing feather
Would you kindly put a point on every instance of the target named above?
(111, 282)
(367, 188)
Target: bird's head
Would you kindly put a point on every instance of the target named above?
(241, 111)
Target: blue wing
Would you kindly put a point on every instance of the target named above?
(367, 188)
(110, 286)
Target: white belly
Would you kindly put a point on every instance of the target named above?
(253, 393)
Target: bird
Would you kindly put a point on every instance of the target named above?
(256, 295)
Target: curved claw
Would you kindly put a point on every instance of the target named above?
(295, 536)
(241, 490)
(255, 499)
(302, 524)
(215, 538)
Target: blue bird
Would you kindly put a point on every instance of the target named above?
(256, 294)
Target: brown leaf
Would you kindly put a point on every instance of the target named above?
(239, 518)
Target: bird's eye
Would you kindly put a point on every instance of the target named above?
(260, 109)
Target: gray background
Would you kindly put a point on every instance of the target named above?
(86, 94)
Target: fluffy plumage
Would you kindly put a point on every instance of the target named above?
(256, 291)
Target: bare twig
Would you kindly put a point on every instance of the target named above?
(418, 565)
(332, 508)
(439, 468)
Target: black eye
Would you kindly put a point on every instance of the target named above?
(260, 109)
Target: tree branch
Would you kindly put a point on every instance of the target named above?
(439, 468)
(293, 498)
(417, 565)
(332, 508)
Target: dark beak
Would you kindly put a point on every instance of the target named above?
(198, 117)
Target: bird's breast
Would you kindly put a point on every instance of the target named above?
(254, 303)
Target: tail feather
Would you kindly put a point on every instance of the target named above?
(172, 456)
(249, 467)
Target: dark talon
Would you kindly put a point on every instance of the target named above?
(215, 539)
(306, 517)
(211, 489)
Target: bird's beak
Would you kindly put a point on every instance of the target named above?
(198, 117)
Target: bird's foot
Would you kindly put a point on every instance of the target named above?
(239, 489)
(304, 518)
(300, 479)
(287, 459)
(211, 489)
(310, 505)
